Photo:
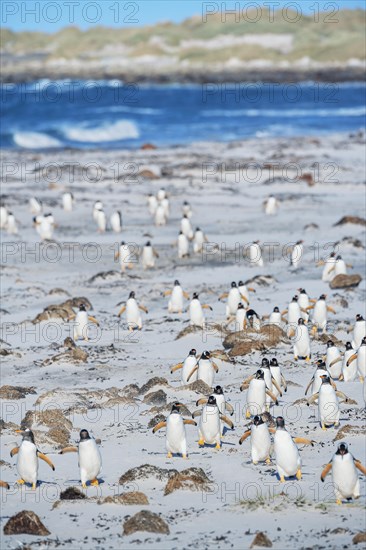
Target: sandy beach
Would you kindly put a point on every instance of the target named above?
(122, 386)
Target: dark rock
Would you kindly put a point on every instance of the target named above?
(345, 281)
(145, 521)
(146, 471)
(351, 219)
(192, 479)
(198, 386)
(156, 398)
(155, 381)
(72, 493)
(261, 539)
(131, 498)
(27, 523)
(15, 392)
(359, 537)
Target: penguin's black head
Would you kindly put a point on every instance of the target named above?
(175, 407)
(363, 341)
(265, 363)
(211, 400)
(218, 390)
(348, 345)
(185, 203)
(193, 352)
(257, 421)
(302, 290)
(322, 297)
(176, 282)
(320, 364)
(240, 283)
(276, 309)
(198, 229)
(233, 284)
(206, 355)
(325, 379)
(339, 257)
(300, 321)
(299, 242)
(27, 435)
(251, 313)
(195, 296)
(359, 317)
(274, 362)
(295, 298)
(84, 435)
(132, 294)
(241, 306)
(148, 243)
(332, 254)
(342, 449)
(123, 243)
(259, 375)
(330, 344)
(280, 422)
(82, 307)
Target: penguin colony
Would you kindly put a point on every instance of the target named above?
(304, 320)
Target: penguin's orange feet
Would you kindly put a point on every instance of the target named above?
(307, 358)
(268, 460)
(218, 446)
(34, 486)
(169, 455)
(184, 456)
(201, 442)
(255, 463)
(94, 482)
(247, 414)
(83, 485)
(298, 474)
(282, 479)
(324, 427)
(338, 501)
(296, 358)
(20, 481)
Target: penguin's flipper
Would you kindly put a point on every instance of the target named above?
(46, 459)
(245, 299)
(320, 263)
(201, 401)
(159, 426)
(352, 358)
(68, 450)
(304, 441)
(336, 360)
(116, 255)
(14, 451)
(329, 308)
(283, 380)
(251, 289)
(216, 368)
(342, 395)
(189, 421)
(155, 253)
(276, 386)
(227, 421)
(93, 320)
(4, 484)
(246, 381)
(186, 295)
(326, 471)
(196, 413)
(176, 367)
(72, 317)
(229, 320)
(272, 396)
(244, 436)
(143, 308)
(308, 386)
(284, 312)
(229, 408)
(313, 398)
(309, 308)
(192, 372)
(167, 293)
(206, 306)
(122, 310)
(360, 467)
(224, 295)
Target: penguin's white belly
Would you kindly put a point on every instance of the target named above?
(275, 318)
(336, 369)
(3, 217)
(148, 257)
(233, 301)
(176, 300)
(220, 402)
(317, 381)
(296, 255)
(288, 459)
(361, 361)
(67, 203)
(327, 275)
(304, 303)
(90, 461)
(188, 365)
(359, 332)
(132, 312)
(186, 228)
(260, 442)
(175, 435)
(268, 381)
(320, 315)
(27, 462)
(45, 230)
(198, 242)
(276, 373)
(196, 314)
(239, 319)
(124, 257)
(255, 255)
(271, 206)
(256, 397)
(101, 221)
(293, 314)
(183, 246)
(349, 373)
(209, 424)
(152, 205)
(345, 476)
(160, 218)
(328, 405)
(81, 325)
(206, 372)
(302, 342)
(340, 268)
(116, 222)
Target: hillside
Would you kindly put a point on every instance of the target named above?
(191, 49)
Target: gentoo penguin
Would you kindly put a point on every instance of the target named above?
(175, 304)
(344, 474)
(320, 314)
(11, 224)
(304, 302)
(205, 368)
(287, 456)
(67, 201)
(82, 320)
(256, 394)
(187, 367)
(176, 442)
(44, 227)
(160, 216)
(152, 203)
(116, 221)
(349, 365)
(209, 426)
(328, 404)
(27, 458)
(186, 209)
(195, 311)
(223, 406)
(240, 318)
(90, 460)
(297, 254)
(198, 240)
(359, 331)
(361, 359)
(165, 204)
(271, 384)
(101, 221)
(260, 440)
(233, 300)
(293, 313)
(333, 360)
(161, 194)
(124, 255)
(183, 245)
(340, 266)
(3, 216)
(275, 318)
(35, 206)
(316, 379)
(98, 205)
(255, 254)
(186, 227)
(270, 206)
(252, 320)
(244, 291)
(148, 256)
(328, 269)
(133, 316)
(277, 376)
(302, 341)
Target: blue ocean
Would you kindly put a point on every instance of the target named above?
(112, 114)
